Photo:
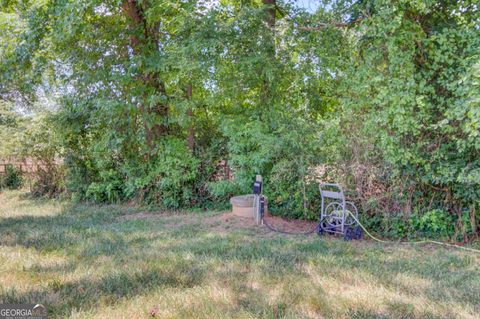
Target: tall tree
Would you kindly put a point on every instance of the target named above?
(269, 41)
(145, 42)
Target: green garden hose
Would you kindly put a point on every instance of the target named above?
(411, 242)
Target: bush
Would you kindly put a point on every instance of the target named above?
(12, 178)
(223, 190)
(48, 182)
(109, 188)
(40, 143)
(433, 224)
(406, 137)
(168, 179)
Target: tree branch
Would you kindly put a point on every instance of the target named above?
(335, 24)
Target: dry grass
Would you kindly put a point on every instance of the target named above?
(116, 262)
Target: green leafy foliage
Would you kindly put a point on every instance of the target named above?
(169, 179)
(40, 143)
(181, 104)
(12, 178)
(434, 223)
(412, 85)
(11, 126)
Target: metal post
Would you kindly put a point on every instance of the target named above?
(257, 194)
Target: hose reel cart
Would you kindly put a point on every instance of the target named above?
(338, 216)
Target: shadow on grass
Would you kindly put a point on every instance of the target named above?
(87, 233)
(61, 298)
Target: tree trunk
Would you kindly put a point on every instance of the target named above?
(473, 222)
(160, 129)
(270, 10)
(130, 8)
(141, 44)
(270, 6)
(191, 131)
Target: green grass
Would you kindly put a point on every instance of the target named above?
(93, 262)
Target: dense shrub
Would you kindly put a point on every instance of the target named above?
(168, 179)
(410, 116)
(434, 223)
(12, 179)
(108, 189)
(40, 143)
(48, 181)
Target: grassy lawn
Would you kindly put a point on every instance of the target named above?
(118, 262)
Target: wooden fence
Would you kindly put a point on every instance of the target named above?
(26, 167)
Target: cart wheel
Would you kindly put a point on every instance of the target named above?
(320, 229)
(332, 219)
(331, 229)
(349, 233)
(358, 232)
(323, 227)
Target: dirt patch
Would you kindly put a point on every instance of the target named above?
(291, 225)
(229, 217)
(223, 222)
(226, 222)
